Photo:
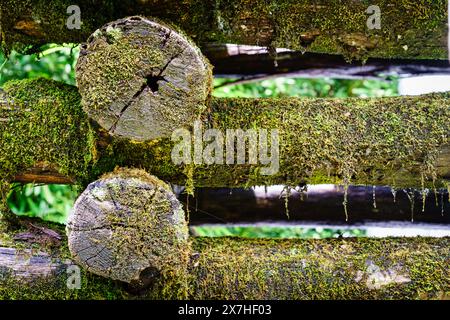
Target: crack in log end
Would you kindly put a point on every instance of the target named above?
(123, 84)
(153, 82)
(143, 88)
(142, 228)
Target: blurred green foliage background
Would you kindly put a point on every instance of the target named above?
(53, 203)
(49, 202)
(281, 232)
(311, 88)
(54, 62)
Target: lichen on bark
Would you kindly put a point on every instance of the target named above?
(409, 29)
(129, 226)
(391, 141)
(42, 123)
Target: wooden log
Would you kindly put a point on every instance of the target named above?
(270, 269)
(250, 63)
(27, 274)
(401, 141)
(141, 79)
(227, 268)
(338, 27)
(222, 268)
(367, 205)
(128, 226)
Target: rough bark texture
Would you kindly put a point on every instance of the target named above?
(33, 265)
(399, 141)
(402, 268)
(141, 79)
(17, 262)
(128, 226)
(319, 269)
(408, 29)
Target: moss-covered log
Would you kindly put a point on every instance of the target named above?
(129, 226)
(320, 269)
(35, 265)
(408, 29)
(402, 268)
(400, 141)
(141, 79)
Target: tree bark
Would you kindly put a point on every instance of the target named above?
(250, 63)
(224, 268)
(145, 239)
(407, 30)
(399, 141)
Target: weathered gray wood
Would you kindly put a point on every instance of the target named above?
(141, 79)
(28, 265)
(128, 226)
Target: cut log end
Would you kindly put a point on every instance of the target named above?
(128, 226)
(141, 80)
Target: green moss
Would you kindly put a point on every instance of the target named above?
(53, 287)
(147, 244)
(232, 268)
(27, 24)
(130, 81)
(116, 70)
(390, 141)
(360, 268)
(45, 125)
(409, 29)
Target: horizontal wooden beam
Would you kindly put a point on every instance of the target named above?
(250, 63)
(402, 268)
(335, 27)
(128, 226)
(400, 141)
(317, 204)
